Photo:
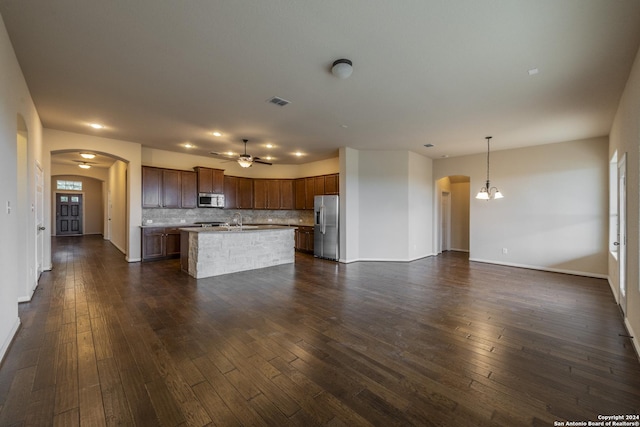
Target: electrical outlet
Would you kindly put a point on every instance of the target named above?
(270, 220)
(149, 221)
(505, 251)
(182, 221)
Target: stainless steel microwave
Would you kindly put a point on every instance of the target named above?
(210, 200)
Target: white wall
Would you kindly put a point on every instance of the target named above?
(15, 101)
(184, 161)
(390, 205)
(420, 206)
(117, 184)
(349, 205)
(130, 152)
(383, 205)
(625, 138)
(554, 214)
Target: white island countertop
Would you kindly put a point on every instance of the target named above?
(213, 251)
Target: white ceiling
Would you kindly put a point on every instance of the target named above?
(444, 72)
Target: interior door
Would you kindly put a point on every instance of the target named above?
(622, 231)
(68, 214)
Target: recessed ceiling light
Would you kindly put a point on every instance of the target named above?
(444, 156)
(216, 133)
(268, 158)
(429, 145)
(297, 153)
(269, 145)
(533, 71)
(229, 153)
(96, 125)
(188, 145)
(87, 155)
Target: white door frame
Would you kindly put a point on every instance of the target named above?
(39, 219)
(445, 221)
(622, 232)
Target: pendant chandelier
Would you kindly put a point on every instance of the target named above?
(488, 192)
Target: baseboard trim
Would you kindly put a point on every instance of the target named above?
(118, 247)
(7, 342)
(25, 299)
(635, 340)
(614, 291)
(536, 267)
(459, 250)
(385, 259)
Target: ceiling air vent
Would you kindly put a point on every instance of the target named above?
(280, 102)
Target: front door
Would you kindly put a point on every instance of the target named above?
(68, 214)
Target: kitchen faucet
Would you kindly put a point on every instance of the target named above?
(237, 220)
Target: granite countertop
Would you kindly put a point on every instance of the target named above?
(235, 229)
(185, 225)
(155, 225)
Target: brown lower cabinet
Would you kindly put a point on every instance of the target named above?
(304, 239)
(160, 243)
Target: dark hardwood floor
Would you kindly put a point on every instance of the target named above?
(439, 341)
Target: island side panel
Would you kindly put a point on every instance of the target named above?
(216, 253)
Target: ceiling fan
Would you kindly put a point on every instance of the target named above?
(245, 160)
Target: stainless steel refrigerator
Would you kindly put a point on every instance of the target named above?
(325, 236)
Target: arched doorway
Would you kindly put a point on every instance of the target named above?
(452, 211)
(105, 176)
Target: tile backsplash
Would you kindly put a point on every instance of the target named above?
(249, 216)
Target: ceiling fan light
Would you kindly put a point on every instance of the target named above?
(84, 166)
(342, 68)
(87, 155)
(245, 162)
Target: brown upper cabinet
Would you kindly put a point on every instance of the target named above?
(151, 187)
(287, 200)
(210, 180)
(300, 193)
(245, 193)
(307, 188)
(189, 189)
(168, 188)
(332, 184)
(231, 192)
(238, 192)
(273, 194)
(310, 188)
(171, 189)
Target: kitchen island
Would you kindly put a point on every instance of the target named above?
(213, 251)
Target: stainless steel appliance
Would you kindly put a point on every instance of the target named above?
(326, 243)
(210, 200)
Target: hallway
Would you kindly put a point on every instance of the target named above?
(439, 341)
